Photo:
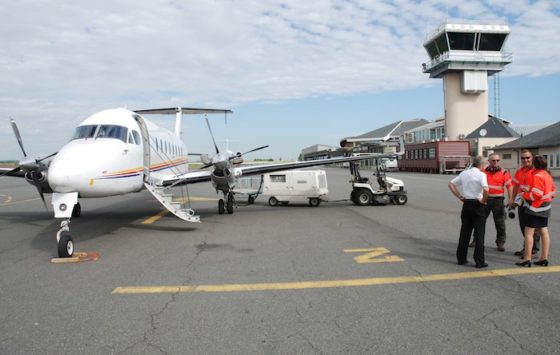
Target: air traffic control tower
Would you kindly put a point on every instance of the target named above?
(464, 55)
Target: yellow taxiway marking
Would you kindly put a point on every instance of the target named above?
(9, 202)
(372, 255)
(7, 199)
(333, 283)
(156, 217)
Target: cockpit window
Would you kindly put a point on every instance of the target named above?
(112, 131)
(84, 132)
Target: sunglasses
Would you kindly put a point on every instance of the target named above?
(525, 158)
(495, 160)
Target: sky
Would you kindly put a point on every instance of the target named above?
(295, 73)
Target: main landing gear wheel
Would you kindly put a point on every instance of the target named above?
(229, 204)
(65, 245)
(77, 210)
(221, 207)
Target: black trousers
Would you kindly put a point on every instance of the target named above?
(473, 217)
(496, 207)
(523, 223)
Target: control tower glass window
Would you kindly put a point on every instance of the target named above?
(461, 41)
(491, 41)
(432, 50)
(441, 42)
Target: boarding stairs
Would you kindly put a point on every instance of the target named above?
(163, 195)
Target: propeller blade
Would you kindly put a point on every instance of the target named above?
(39, 189)
(212, 134)
(15, 170)
(18, 136)
(250, 151)
(47, 157)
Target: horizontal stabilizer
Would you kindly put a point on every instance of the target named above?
(184, 110)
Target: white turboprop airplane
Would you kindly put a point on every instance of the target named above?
(117, 151)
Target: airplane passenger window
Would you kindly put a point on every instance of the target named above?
(136, 137)
(84, 132)
(112, 131)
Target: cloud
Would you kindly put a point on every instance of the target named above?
(60, 59)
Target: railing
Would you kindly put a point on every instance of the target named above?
(477, 57)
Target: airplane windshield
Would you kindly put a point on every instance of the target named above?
(84, 132)
(112, 131)
(101, 131)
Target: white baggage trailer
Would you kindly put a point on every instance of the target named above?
(295, 186)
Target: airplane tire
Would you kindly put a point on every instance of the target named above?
(273, 201)
(401, 199)
(77, 210)
(314, 202)
(65, 246)
(363, 197)
(229, 206)
(221, 207)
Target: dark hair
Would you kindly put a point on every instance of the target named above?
(539, 162)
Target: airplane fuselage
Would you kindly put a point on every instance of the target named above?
(106, 156)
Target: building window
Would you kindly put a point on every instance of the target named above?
(432, 153)
(277, 178)
(506, 156)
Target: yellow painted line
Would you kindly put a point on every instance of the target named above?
(155, 217)
(333, 283)
(7, 199)
(9, 203)
(374, 255)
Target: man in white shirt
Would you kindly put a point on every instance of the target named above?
(474, 195)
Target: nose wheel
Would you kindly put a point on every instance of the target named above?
(64, 240)
(226, 205)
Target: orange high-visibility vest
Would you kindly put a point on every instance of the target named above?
(496, 182)
(541, 191)
(522, 178)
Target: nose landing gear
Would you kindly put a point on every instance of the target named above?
(227, 204)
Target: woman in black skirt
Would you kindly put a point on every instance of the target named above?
(538, 200)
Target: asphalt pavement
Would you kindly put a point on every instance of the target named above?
(333, 279)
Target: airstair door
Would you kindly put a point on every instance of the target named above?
(145, 146)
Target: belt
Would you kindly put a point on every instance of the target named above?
(470, 200)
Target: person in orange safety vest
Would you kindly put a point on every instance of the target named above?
(521, 182)
(499, 180)
(538, 198)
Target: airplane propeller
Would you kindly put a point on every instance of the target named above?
(219, 158)
(32, 167)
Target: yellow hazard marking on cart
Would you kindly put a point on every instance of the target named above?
(374, 255)
(305, 285)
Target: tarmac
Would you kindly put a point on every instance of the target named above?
(333, 279)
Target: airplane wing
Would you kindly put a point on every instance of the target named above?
(263, 169)
(204, 175)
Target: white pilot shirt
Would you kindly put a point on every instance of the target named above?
(472, 182)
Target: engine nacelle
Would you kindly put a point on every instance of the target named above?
(41, 178)
(237, 160)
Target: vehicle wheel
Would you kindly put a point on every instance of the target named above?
(229, 205)
(251, 200)
(77, 210)
(65, 246)
(314, 202)
(363, 197)
(273, 201)
(353, 197)
(401, 199)
(221, 208)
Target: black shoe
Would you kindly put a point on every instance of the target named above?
(472, 245)
(500, 247)
(519, 253)
(462, 262)
(480, 266)
(541, 262)
(524, 263)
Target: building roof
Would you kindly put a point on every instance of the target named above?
(545, 137)
(394, 129)
(493, 128)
